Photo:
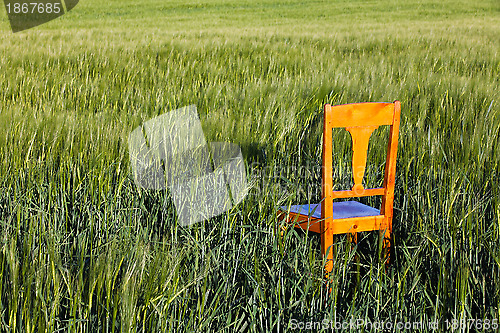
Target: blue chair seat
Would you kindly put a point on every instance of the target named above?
(341, 210)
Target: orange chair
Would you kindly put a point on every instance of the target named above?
(330, 218)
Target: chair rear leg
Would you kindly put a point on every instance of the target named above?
(353, 238)
(386, 235)
(327, 251)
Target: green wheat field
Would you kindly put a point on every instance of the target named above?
(83, 249)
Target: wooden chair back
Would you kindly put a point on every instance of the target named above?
(360, 120)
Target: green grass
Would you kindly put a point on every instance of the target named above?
(83, 249)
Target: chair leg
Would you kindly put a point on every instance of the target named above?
(353, 238)
(386, 244)
(327, 251)
(283, 230)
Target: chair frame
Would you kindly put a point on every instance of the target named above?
(360, 119)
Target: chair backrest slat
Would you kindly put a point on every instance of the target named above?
(361, 114)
